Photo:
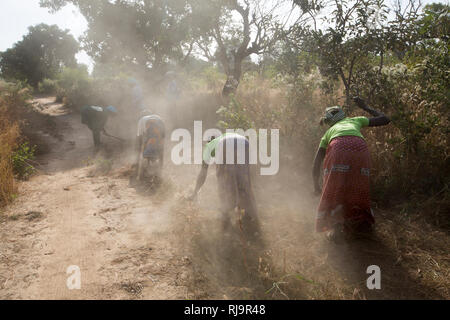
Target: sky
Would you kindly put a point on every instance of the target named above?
(17, 15)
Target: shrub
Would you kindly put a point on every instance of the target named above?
(9, 134)
(21, 161)
(48, 86)
(409, 156)
(234, 116)
(75, 87)
(213, 78)
(59, 95)
(14, 98)
(415, 96)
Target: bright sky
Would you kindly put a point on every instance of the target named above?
(17, 15)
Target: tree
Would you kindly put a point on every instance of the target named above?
(356, 34)
(141, 35)
(414, 30)
(436, 21)
(260, 25)
(355, 30)
(42, 53)
(149, 35)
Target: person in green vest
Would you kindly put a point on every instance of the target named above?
(344, 207)
(234, 182)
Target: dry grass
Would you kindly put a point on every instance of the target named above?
(411, 240)
(9, 133)
(298, 263)
(412, 255)
(12, 101)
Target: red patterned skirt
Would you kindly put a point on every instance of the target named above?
(345, 192)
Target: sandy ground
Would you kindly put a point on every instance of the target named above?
(122, 242)
(135, 244)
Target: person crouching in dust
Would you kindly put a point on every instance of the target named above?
(149, 146)
(235, 189)
(344, 210)
(95, 118)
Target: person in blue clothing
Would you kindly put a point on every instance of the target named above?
(150, 141)
(96, 118)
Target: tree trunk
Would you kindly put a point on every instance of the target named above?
(233, 78)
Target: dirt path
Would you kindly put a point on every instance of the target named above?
(133, 244)
(122, 242)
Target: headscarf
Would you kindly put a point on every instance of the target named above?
(145, 112)
(111, 109)
(333, 115)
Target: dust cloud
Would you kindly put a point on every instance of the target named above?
(225, 263)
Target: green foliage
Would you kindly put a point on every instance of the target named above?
(9, 134)
(400, 68)
(100, 166)
(304, 110)
(415, 145)
(21, 159)
(399, 63)
(142, 35)
(147, 37)
(436, 21)
(213, 78)
(233, 116)
(103, 166)
(116, 91)
(48, 86)
(42, 53)
(76, 87)
(354, 30)
(15, 97)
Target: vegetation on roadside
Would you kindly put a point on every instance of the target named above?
(21, 159)
(9, 137)
(395, 57)
(399, 66)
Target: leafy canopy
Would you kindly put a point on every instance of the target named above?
(42, 53)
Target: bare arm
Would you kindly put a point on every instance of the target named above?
(379, 119)
(163, 137)
(161, 157)
(200, 180)
(137, 148)
(320, 155)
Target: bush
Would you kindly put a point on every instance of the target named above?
(409, 156)
(9, 135)
(59, 95)
(259, 103)
(48, 86)
(213, 79)
(21, 161)
(75, 87)
(415, 96)
(9, 132)
(14, 98)
(234, 116)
